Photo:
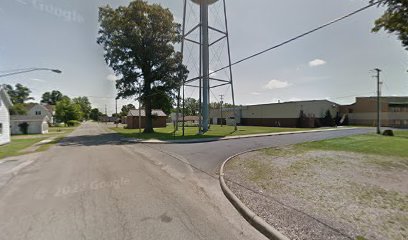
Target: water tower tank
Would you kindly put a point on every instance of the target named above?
(199, 2)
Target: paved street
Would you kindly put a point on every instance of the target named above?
(93, 186)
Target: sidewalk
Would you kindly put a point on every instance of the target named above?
(202, 140)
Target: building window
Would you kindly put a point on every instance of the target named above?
(1, 128)
(37, 112)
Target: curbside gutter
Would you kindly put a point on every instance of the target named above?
(256, 221)
(203, 140)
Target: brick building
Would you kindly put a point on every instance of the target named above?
(393, 111)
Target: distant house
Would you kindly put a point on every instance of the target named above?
(25, 124)
(132, 120)
(393, 111)
(5, 104)
(35, 109)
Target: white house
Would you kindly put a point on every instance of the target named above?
(25, 124)
(35, 109)
(5, 104)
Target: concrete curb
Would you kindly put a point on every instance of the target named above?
(256, 221)
(203, 140)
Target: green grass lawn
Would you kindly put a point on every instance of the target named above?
(368, 143)
(16, 145)
(216, 131)
(20, 142)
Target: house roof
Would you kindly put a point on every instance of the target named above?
(34, 118)
(5, 97)
(191, 118)
(155, 112)
(50, 108)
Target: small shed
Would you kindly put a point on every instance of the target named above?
(132, 121)
(24, 124)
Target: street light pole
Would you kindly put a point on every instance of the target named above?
(140, 111)
(30, 70)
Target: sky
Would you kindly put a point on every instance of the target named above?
(332, 64)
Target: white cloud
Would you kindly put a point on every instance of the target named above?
(112, 77)
(275, 84)
(316, 62)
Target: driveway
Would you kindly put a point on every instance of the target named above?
(95, 186)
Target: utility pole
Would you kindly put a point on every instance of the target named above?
(378, 101)
(106, 114)
(221, 102)
(116, 107)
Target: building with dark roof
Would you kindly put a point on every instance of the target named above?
(132, 119)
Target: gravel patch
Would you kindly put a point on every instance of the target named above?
(314, 194)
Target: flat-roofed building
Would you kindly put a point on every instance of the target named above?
(393, 111)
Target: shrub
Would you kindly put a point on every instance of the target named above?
(73, 123)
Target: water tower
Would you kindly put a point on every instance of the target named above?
(205, 81)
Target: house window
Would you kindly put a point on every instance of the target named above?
(37, 112)
(1, 128)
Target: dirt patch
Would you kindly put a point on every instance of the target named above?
(314, 194)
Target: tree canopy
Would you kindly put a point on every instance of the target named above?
(18, 94)
(126, 108)
(85, 106)
(52, 97)
(66, 110)
(394, 19)
(95, 114)
(139, 46)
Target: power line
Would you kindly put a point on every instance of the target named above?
(299, 36)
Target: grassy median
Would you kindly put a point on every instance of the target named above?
(216, 131)
(359, 181)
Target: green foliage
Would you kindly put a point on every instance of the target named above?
(328, 119)
(190, 107)
(126, 108)
(217, 105)
(73, 123)
(18, 109)
(51, 97)
(66, 110)
(139, 46)
(85, 106)
(394, 19)
(19, 94)
(95, 114)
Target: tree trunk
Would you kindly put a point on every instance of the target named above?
(148, 112)
(148, 104)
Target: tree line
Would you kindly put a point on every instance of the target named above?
(67, 110)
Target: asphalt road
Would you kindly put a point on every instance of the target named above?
(94, 186)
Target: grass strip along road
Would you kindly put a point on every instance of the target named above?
(346, 188)
(215, 131)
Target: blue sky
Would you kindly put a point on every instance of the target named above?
(333, 63)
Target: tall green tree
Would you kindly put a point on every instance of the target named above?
(19, 94)
(126, 108)
(52, 97)
(139, 46)
(95, 114)
(191, 107)
(85, 106)
(394, 19)
(66, 111)
(18, 109)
